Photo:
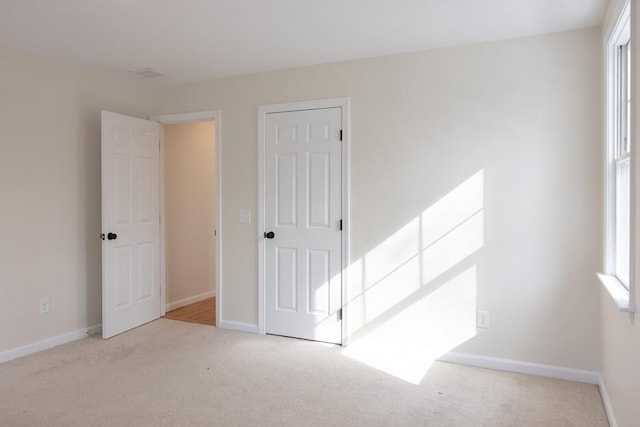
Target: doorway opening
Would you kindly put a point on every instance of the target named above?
(189, 221)
(190, 217)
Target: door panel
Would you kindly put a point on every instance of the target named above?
(122, 267)
(145, 195)
(122, 196)
(317, 279)
(286, 278)
(303, 182)
(130, 222)
(145, 269)
(286, 168)
(318, 201)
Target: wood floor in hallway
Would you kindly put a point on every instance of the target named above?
(199, 312)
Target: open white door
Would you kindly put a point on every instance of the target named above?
(130, 223)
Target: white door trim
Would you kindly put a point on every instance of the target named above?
(165, 119)
(263, 110)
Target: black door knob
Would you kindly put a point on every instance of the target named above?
(112, 236)
(269, 235)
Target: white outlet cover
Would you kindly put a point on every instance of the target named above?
(482, 319)
(244, 216)
(44, 305)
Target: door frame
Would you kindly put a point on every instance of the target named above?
(167, 119)
(263, 110)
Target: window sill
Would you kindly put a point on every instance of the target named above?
(618, 292)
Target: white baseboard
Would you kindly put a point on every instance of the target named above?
(35, 347)
(608, 409)
(238, 326)
(190, 300)
(509, 365)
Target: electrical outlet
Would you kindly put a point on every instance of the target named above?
(44, 305)
(482, 319)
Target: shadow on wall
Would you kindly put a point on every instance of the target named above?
(412, 298)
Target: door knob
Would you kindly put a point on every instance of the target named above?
(269, 235)
(112, 236)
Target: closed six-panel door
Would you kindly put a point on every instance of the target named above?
(303, 210)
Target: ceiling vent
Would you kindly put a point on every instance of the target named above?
(148, 73)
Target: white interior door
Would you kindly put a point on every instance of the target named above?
(130, 223)
(303, 282)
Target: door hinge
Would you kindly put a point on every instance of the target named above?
(339, 314)
(340, 134)
(340, 225)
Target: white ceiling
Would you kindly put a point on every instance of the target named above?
(190, 40)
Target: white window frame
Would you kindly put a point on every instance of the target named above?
(622, 293)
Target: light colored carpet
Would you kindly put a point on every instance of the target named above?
(170, 373)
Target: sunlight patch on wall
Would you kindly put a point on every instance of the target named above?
(406, 345)
(387, 274)
(455, 246)
(404, 308)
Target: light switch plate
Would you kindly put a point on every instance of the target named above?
(244, 216)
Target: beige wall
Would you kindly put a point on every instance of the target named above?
(525, 114)
(190, 209)
(620, 334)
(50, 193)
(523, 117)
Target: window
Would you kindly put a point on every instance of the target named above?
(622, 161)
(619, 168)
